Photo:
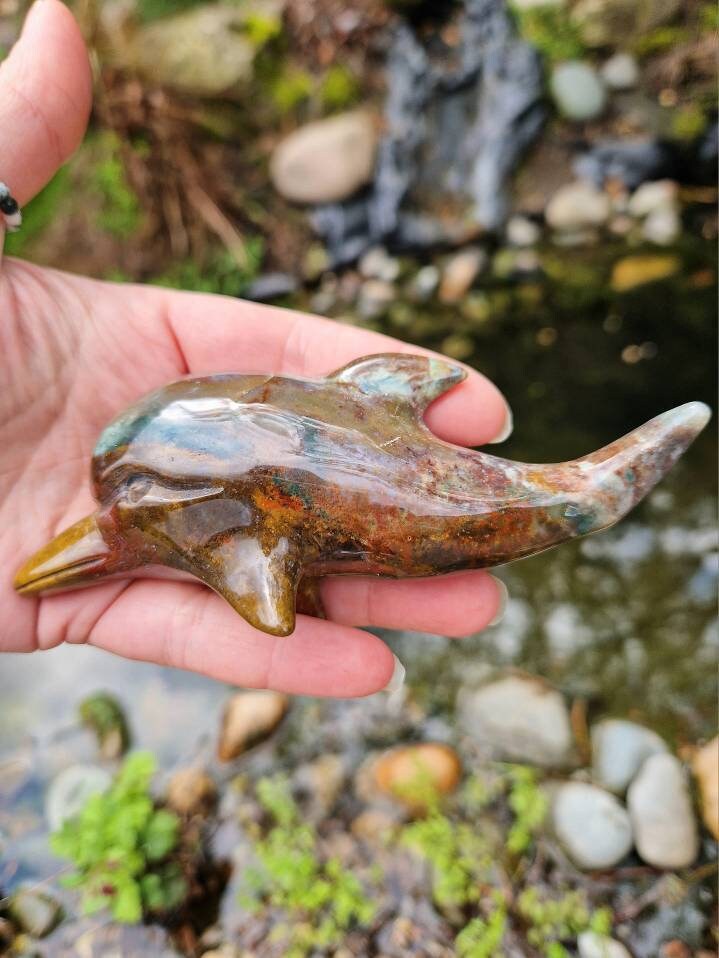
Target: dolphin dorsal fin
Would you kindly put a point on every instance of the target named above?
(416, 380)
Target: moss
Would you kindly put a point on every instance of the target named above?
(262, 28)
(550, 30)
(120, 213)
(688, 122)
(661, 39)
(339, 88)
(553, 919)
(321, 900)
(482, 937)
(149, 10)
(219, 274)
(291, 87)
(529, 805)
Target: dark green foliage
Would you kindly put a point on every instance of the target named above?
(119, 844)
(551, 31)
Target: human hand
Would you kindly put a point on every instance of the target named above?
(74, 352)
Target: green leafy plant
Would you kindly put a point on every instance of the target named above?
(529, 805)
(554, 919)
(103, 714)
(119, 844)
(321, 899)
(482, 937)
(339, 88)
(261, 28)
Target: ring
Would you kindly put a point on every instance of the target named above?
(10, 210)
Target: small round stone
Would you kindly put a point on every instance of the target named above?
(591, 824)
(620, 72)
(578, 90)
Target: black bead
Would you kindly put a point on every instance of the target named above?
(8, 205)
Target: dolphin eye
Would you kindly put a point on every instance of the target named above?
(137, 489)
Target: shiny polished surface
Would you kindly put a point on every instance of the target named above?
(259, 485)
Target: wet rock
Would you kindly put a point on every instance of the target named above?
(69, 791)
(90, 938)
(593, 945)
(578, 90)
(522, 231)
(519, 718)
(204, 51)
(629, 161)
(321, 781)
(652, 196)
(191, 791)
(619, 749)
(374, 824)
(249, 718)
(104, 715)
(326, 161)
(659, 803)
(378, 264)
(592, 825)
(423, 284)
(608, 22)
(705, 766)
(662, 227)
(576, 206)
(34, 912)
(460, 272)
(271, 286)
(633, 271)
(620, 72)
(415, 774)
(375, 298)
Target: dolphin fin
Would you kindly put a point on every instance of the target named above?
(260, 585)
(415, 380)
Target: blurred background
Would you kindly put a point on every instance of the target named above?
(529, 188)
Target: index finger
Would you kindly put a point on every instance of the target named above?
(216, 334)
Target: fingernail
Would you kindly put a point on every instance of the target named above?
(506, 430)
(398, 674)
(503, 599)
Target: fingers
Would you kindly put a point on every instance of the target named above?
(45, 95)
(453, 605)
(187, 626)
(219, 334)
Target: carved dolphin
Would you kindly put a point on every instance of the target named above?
(253, 483)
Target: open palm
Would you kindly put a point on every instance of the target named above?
(74, 352)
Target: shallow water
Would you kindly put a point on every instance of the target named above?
(623, 620)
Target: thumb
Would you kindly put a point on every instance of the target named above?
(45, 97)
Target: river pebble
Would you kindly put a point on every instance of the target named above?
(422, 285)
(576, 206)
(521, 231)
(653, 196)
(705, 766)
(34, 912)
(591, 824)
(620, 72)
(519, 718)
(249, 718)
(191, 791)
(326, 161)
(460, 271)
(659, 803)
(662, 227)
(414, 774)
(593, 945)
(69, 791)
(619, 748)
(376, 263)
(578, 90)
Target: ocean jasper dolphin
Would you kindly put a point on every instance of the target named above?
(258, 485)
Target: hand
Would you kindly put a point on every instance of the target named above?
(74, 352)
